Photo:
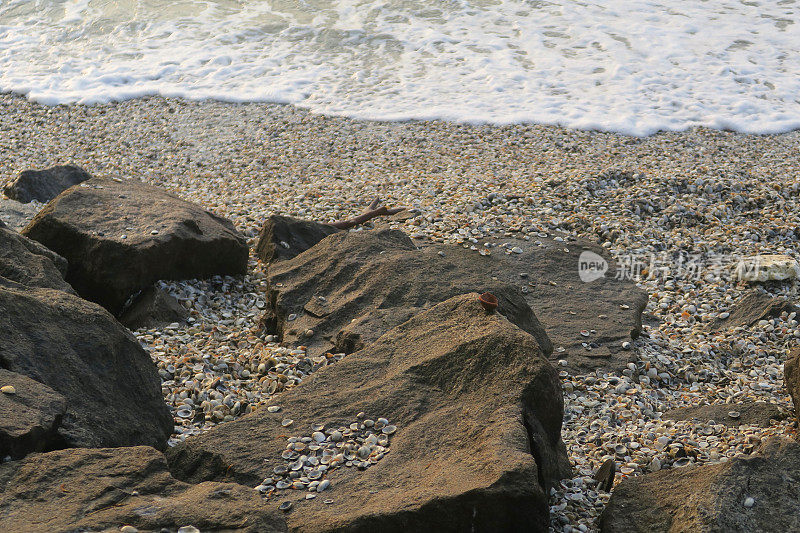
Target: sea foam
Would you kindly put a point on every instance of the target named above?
(630, 67)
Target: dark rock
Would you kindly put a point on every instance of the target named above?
(752, 307)
(791, 377)
(15, 215)
(153, 308)
(605, 475)
(478, 411)
(44, 185)
(285, 237)
(76, 348)
(104, 489)
(353, 286)
(29, 419)
(711, 498)
(361, 284)
(86, 225)
(29, 263)
(750, 413)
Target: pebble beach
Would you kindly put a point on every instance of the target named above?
(707, 194)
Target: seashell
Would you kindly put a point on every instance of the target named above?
(298, 485)
(314, 474)
(488, 301)
(734, 414)
(324, 484)
(297, 465)
(318, 436)
(285, 506)
(274, 408)
(280, 470)
(287, 454)
(336, 436)
(683, 461)
(310, 496)
(317, 427)
(364, 451)
(184, 412)
(388, 430)
(282, 484)
(287, 422)
(369, 423)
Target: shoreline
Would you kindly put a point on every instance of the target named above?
(699, 192)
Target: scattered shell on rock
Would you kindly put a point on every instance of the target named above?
(8, 389)
(286, 422)
(274, 408)
(488, 301)
(285, 506)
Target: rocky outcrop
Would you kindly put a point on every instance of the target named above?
(15, 215)
(105, 489)
(752, 307)
(29, 263)
(355, 286)
(477, 411)
(120, 237)
(30, 415)
(352, 287)
(285, 237)
(152, 308)
(760, 492)
(749, 413)
(76, 348)
(791, 371)
(44, 185)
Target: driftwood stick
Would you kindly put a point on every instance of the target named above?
(375, 209)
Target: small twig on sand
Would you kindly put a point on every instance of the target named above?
(375, 209)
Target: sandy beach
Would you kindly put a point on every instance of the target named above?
(711, 195)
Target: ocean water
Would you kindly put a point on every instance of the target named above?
(634, 67)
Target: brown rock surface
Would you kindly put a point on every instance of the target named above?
(752, 307)
(354, 286)
(153, 307)
(75, 347)
(750, 413)
(791, 371)
(478, 412)
(285, 237)
(104, 489)
(29, 263)
(712, 498)
(164, 238)
(29, 418)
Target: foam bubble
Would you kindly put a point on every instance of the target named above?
(634, 68)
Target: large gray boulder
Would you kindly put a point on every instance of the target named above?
(119, 237)
(44, 185)
(105, 489)
(352, 287)
(79, 350)
(477, 411)
(29, 263)
(759, 492)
